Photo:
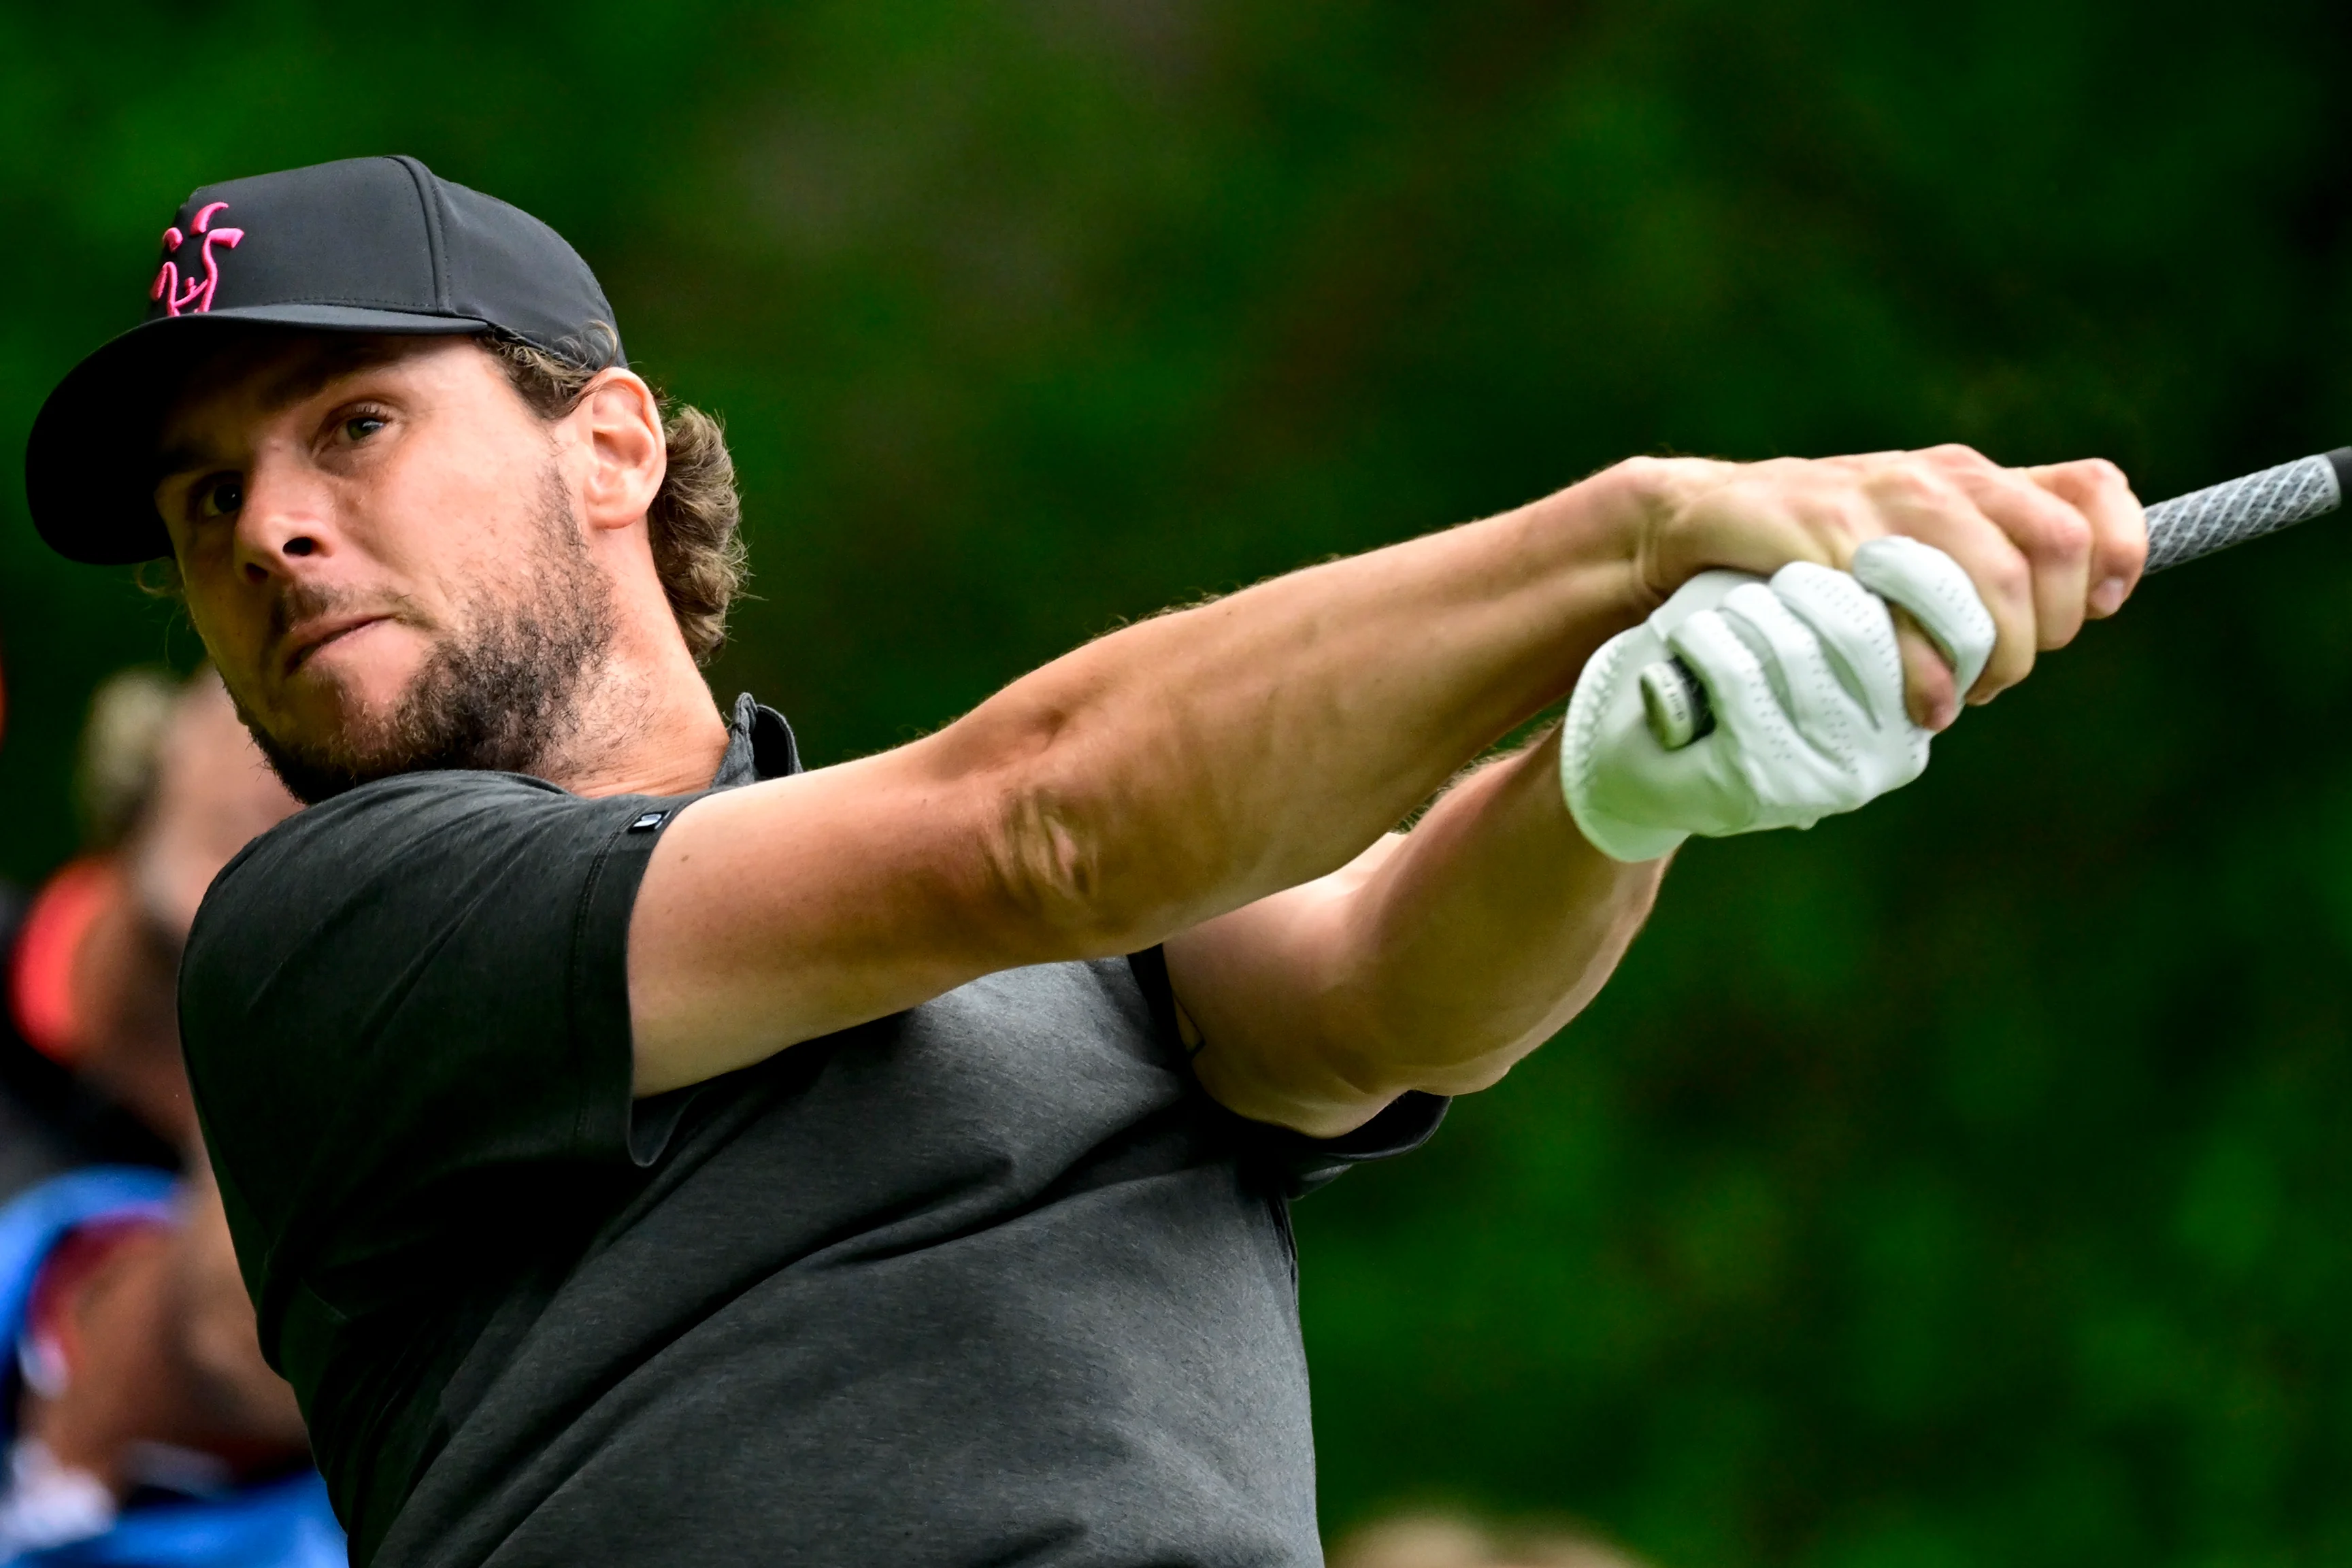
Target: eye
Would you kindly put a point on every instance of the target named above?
(359, 426)
(218, 497)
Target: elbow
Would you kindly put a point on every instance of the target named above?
(1452, 1057)
(1049, 858)
(1062, 867)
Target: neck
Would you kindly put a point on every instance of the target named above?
(648, 725)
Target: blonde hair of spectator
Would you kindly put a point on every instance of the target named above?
(121, 744)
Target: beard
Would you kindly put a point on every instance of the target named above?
(500, 693)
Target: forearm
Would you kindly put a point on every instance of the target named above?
(1197, 761)
(1434, 962)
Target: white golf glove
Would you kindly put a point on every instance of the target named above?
(1806, 684)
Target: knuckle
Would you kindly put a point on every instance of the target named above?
(2006, 577)
(2066, 534)
(1840, 517)
(1920, 489)
(1957, 455)
(1902, 486)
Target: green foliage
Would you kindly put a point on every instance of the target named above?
(1956, 1183)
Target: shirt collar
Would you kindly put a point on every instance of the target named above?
(759, 745)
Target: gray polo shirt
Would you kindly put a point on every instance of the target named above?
(989, 1282)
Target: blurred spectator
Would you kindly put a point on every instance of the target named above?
(145, 1427)
(141, 1425)
(170, 787)
(1448, 1541)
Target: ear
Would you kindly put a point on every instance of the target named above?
(619, 425)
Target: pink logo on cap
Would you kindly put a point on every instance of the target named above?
(198, 293)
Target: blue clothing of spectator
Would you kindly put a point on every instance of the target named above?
(284, 1522)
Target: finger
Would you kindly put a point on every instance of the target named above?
(2098, 490)
(1940, 598)
(1748, 712)
(1857, 634)
(2052, 535)
(1907, 670)
(1738, 688)
(1931, 695)
(1828, 714)
(1922, 499)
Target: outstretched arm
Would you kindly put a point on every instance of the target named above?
(1181, 769)
(1438, 958)
(1152, 779)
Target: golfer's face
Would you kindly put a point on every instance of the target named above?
(334, 504)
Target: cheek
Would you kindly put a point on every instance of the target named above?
(234, 627)
(231, 625)
(448, 519)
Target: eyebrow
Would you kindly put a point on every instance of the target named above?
(305, 378)
(178, 460)
(341, 358)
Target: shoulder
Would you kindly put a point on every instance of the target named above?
(390, 815)
(370, 872)
(393, 823)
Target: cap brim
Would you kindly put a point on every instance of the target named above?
(87, 475)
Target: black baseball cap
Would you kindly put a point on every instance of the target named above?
(367, 246)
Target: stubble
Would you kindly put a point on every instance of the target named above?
(502, 693)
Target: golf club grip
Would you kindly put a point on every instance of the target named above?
(2182, 529)
(2237, 510)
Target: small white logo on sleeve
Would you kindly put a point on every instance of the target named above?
(648, 822)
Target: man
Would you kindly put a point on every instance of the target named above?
(641, 1151)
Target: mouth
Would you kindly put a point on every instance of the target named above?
(310, 636)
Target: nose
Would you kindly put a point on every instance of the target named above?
(286, 517)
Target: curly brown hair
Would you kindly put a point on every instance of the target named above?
(696, 519)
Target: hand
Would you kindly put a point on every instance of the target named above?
(2045, 548)
(1806, 682)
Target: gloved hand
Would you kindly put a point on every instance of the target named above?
(1806, 682)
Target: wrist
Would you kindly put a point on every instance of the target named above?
(1655, 498)
(1604, 530)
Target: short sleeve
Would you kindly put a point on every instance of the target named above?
(402, 998)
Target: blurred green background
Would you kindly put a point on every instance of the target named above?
(1964, 1182)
